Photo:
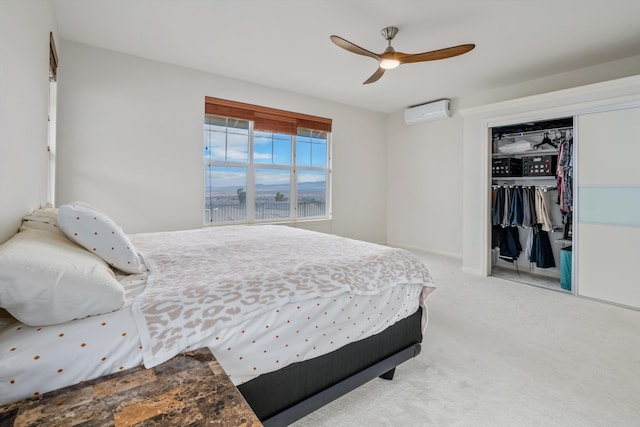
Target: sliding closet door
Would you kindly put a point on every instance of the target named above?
(608, 226)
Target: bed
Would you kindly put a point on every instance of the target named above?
(296, 318)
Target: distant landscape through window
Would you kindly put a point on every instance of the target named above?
(255, 175)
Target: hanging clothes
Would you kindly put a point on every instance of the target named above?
(560, 173)
(567, 220)
(498, 207)
(541, 252)
(567, 194)
(497, 212)
(509, 244)
(508, 201)
(520, 206)
(528, 206)
(542, 210)
(516, 215)
(495, 236)
(529, 244)
(564, 175)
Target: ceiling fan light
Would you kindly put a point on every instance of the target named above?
(388, 64)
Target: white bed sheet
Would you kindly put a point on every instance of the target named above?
(37, 360)
(34, 360)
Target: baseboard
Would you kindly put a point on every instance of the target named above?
(422, 249)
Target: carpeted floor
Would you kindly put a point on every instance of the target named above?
(498, 353)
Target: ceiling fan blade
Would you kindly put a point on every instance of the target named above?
(347, 45)
(375, 76)
(449, 52)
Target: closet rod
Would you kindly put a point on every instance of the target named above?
(543, 187)
(534, 132)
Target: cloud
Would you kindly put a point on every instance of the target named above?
(273, 176)
(226, 177)
(309, 176)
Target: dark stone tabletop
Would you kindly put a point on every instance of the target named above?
(189, 390)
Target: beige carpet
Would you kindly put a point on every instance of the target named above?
(498, 353)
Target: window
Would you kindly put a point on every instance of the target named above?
(51, 141)
(264, 165)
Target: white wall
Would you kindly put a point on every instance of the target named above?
(426, 166)
(575, 78)
(425, 185)
(24, 104)
(130, 143)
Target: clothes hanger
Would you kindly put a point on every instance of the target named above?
(546, 140)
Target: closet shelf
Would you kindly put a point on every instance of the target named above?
(523, 178)
(526, 153)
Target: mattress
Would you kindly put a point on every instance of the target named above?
(37, 360)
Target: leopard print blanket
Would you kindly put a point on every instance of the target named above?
(202, 281)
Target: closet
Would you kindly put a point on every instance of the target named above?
(532, 205)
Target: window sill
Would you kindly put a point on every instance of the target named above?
(288, 222)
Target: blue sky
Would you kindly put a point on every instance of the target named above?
(269, 149)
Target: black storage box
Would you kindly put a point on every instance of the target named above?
(506, 166)
(539, 165)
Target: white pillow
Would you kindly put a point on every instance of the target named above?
(47, 279)
(44, 218)
(94, 230)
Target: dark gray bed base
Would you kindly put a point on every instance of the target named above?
(282, 397)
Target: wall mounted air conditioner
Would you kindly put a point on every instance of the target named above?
(436, 110)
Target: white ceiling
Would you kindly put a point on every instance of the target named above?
(285, 43)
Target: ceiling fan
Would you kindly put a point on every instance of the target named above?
(391, 59)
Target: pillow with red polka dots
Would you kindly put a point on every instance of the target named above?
(95, 231)
(46, 279)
